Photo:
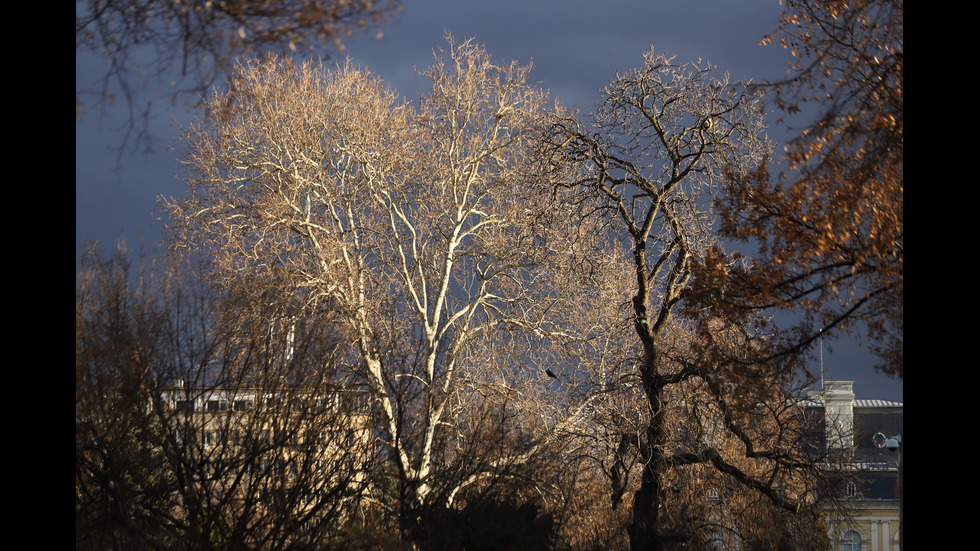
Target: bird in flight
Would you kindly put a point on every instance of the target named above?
(550, 373)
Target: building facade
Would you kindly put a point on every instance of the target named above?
(284, 453)
(866, 434)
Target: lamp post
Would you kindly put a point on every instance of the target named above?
(895, 444)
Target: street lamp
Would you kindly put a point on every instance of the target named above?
(895, 444)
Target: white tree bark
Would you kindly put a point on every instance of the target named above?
(427, 228)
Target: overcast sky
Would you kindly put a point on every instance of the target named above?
(576, 47)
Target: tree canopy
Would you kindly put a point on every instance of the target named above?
(653, 158)
(428, 228)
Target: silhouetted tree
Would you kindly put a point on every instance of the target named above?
(205, 422)
(653, 160)
(189, 44)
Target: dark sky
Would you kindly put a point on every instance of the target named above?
(576, 47)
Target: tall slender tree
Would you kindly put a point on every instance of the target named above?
(653, 160)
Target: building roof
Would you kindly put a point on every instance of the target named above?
(877, 404)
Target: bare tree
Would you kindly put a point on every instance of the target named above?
(189, 44)
(200, 425)
(122, 487)
(653, 162)
(428, 229)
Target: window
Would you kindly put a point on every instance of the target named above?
(217, 405)
(206, 438)
(850, 490)
(713, 496)
(850, 541)
(184, 405)
(242, 405)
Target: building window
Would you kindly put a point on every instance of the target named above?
(850, 541)
(184, 405)
(242, 405)
(206, 438)
(850, 490)
(217, 405)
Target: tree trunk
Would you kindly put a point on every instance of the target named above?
(645, 528)
(410, 513)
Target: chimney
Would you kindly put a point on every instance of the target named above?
(838, 399)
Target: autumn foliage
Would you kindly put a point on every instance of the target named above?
(829, 223)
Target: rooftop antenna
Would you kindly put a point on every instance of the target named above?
(821, 361)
